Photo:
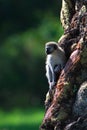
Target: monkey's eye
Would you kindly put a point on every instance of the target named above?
(49, 49)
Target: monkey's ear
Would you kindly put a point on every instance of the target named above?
(55, 47)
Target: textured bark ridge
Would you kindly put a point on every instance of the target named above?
(62, 101)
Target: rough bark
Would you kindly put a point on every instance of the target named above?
(60, 107)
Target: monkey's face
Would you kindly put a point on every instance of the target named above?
(50, 48)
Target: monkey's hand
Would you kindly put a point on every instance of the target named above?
(57, 68)
(52, 85)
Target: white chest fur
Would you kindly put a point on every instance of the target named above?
(55, 59)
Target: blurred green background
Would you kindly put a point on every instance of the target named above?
(25, 26)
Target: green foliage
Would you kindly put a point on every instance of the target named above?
(25, 27)
(22, 64)
(18, 15)
(28, 119)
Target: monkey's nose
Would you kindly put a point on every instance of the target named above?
(47, 50)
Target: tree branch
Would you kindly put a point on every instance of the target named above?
(74, 41)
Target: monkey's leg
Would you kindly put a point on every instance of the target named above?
(57, 70)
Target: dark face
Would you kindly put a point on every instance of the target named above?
(50, 48)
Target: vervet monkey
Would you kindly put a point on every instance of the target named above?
(55, 61)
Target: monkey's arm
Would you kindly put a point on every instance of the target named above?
(48, 74)
(54, 73)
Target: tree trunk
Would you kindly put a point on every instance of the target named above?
(66, 104)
